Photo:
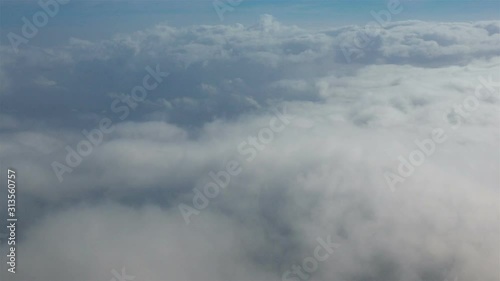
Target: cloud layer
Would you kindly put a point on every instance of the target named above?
(323, 174)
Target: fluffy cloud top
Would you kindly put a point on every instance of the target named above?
(322, 175)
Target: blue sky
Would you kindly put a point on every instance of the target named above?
(100, 19)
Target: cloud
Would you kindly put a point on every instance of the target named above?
(321, 175)
(247, 59)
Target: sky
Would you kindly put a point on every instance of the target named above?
(101, 19)
(270, 140)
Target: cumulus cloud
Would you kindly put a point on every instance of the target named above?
(322, 175)
(243, 65)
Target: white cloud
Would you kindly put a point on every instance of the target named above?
(322, 175)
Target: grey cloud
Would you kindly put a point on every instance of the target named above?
(76, 78)
(322, 175)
